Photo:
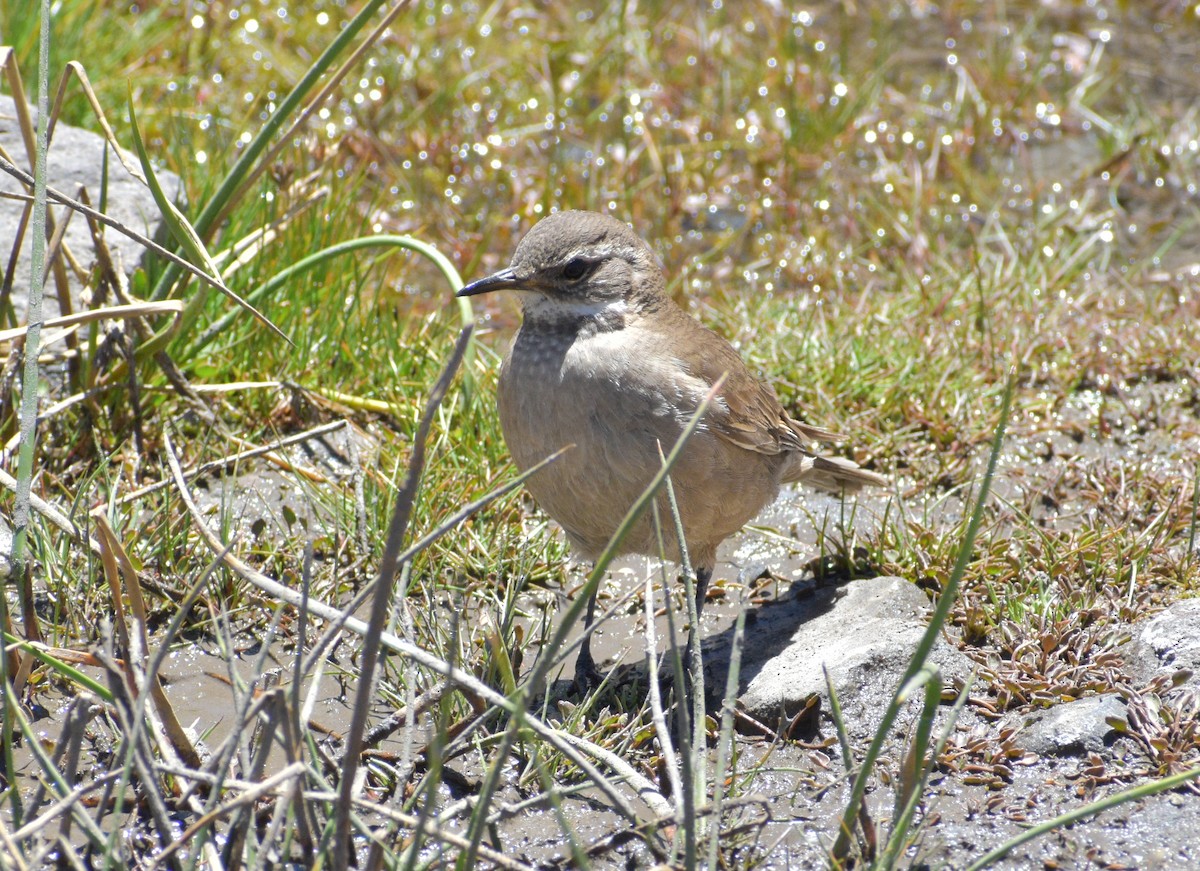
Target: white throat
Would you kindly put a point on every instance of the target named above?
(539, 307)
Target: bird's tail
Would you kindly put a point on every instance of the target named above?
(812, 433)
(834, 474)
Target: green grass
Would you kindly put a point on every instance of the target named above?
(883, 231)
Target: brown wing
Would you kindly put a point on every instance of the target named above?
(749, 415)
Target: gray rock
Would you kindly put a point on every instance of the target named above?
(1168, 643)
(864, 633)
(76, 158)
(1073, 728)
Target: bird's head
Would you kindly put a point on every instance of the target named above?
(576, 266)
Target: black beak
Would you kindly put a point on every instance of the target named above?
(505, 279)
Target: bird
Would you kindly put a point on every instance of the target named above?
(607, 362)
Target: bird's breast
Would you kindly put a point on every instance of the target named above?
(622, 400)
(558, 389)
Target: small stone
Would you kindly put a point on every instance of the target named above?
(76, 159)
(1073, 728)
(863, 632)
(1170, 642)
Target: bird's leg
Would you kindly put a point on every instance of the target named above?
(703, 576)
(587, 675)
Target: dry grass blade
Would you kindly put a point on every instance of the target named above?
(116, 559)
(59, 784)
(11, 851)
(179, 225)
(70, 793)
(471, 507)
(65, 806)
(16, 86)
(270, 786)
(225, 462)
(434, 831)
(54, 265)
(382, 594)
(245, 250)
(29, 137)
(658, 714)
(51, 513)
(279, 462)
(689, 676)
(112, 574)
(76, 69)
(406, 715)
(116, 312)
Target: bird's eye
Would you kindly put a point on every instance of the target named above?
(576, 269)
